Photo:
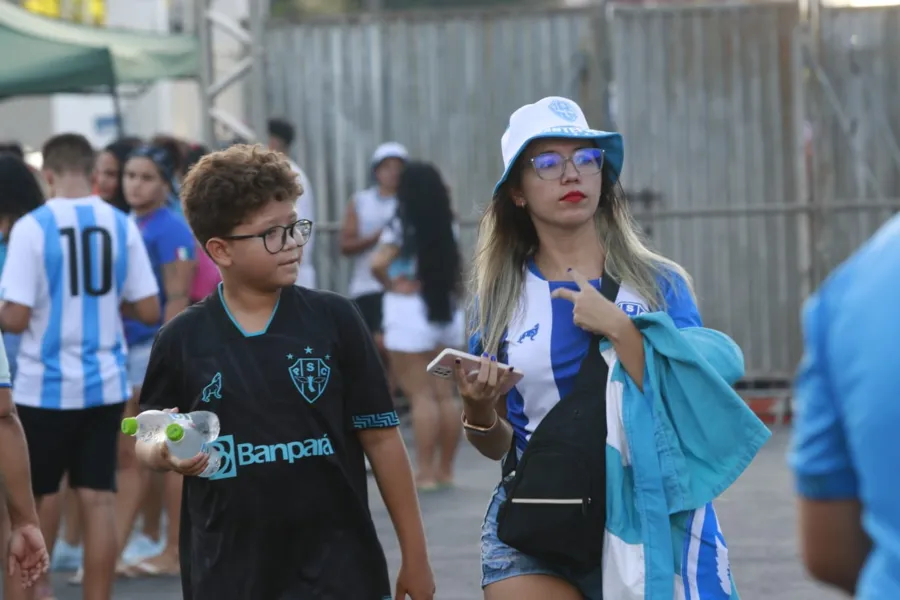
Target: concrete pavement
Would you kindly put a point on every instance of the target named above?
(757, 514)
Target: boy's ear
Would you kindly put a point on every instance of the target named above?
(49, 178)
(219, 251)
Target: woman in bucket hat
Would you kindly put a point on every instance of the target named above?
(557, 226)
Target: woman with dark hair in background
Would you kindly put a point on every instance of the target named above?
(20, 193)
(177, 150)
(149, 173)
(108, 172)
(418, 263)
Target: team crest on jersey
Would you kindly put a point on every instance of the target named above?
(632, 309)
(310, 377)
(213, 389)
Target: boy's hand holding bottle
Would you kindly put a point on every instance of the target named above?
(176, 444)
(192, 467)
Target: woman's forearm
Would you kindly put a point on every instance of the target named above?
(495, 442)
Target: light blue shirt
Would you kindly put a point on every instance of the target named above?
(847, 429)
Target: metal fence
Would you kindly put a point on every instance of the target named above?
(706, 109)
(441, 83)
(715, 103)
(852, 72)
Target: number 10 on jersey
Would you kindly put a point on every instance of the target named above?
(90, 260)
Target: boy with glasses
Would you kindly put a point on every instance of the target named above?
(296, 382)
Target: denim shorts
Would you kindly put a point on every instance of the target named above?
(499, 561)
(138, 361)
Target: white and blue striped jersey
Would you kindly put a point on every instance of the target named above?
(73, 261)
(543, 342)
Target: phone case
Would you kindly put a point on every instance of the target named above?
(444, 364)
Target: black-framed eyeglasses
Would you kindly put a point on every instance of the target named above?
(275, 238)
(552, 165)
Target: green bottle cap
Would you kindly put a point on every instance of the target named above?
(174, 432)
(129, 426)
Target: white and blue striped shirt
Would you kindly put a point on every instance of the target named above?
(543, 342)
(73, 261)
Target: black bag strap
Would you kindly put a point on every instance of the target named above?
(591, 362)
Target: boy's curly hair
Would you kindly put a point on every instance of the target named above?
(225, 188)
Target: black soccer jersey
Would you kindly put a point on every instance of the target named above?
(286, 517)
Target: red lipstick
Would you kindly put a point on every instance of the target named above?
(573, 197)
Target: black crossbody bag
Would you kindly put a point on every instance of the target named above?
(555, 507)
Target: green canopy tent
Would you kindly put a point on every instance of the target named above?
(47, 56)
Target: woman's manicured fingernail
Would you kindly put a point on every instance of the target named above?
(493, 358)
(458, 361)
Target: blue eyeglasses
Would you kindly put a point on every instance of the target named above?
(552, 165)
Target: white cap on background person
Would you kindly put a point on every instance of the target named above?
(389, 150)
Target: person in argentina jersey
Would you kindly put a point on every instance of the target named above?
(300, 393)
(71, 265)
(557, 224)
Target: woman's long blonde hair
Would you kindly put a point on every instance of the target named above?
(507, 238)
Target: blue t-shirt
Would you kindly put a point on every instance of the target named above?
(544, 343)
(168, 239)
(847, 396)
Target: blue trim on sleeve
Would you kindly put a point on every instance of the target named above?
(376, 421)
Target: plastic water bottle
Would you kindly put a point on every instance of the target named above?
(204, 422)
(151, 424)
(148, 425)
(186, 435)
(186, 442)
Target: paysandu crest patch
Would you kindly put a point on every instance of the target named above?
(310, 376)
(632, 309)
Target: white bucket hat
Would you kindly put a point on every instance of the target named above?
(389, 150)
(556, 117)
